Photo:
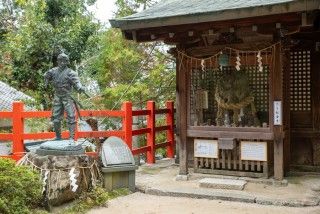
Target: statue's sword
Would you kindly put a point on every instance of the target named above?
(78, 105)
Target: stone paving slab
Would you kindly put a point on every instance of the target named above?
(290, 202)
(201, 193)
(267, 181)
(161, 179)
(228, 196)
(217, 183)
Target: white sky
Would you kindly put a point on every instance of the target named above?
(104, 10)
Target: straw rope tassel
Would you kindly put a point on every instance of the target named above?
(259, 58)
(238, 62)
(73, 180)
(44, 181)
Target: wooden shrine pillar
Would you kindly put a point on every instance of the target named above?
(315, 89)
(286, 67)
(181, 96)
(315, 92)
(277, 95)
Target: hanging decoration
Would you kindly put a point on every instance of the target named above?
(44, 181)
(202, 65)
(241, 114)
(73, 180)
(259, 59)
(203, 68)
(238, 62)
(201, 96)
(223, 60)
(233, 99)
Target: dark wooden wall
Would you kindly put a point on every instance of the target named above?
(305, 121)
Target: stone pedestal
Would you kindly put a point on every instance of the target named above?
(119, 165)
(119, 177)
(63, 177)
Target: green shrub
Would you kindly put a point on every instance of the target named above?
(20, 188)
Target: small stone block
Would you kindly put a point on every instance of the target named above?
(216, 183)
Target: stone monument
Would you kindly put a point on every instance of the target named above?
(118, 165)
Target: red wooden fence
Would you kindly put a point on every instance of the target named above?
(126, 113)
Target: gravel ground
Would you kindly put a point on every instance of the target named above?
(139, 203)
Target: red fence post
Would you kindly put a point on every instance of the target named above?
(127, 123)
(17, 130)
(151, 135)
(170, 131)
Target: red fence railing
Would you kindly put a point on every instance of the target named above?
(18, 115)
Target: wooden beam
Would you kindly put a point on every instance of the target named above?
(312, 36)
(174, 53)
(134, 36)
(181, 97)
(277, 95)
(231, 134)
(162, 33)
(190, 35)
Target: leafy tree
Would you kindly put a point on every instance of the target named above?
(44, 28)
(6, 17)
(128, 7)
(126, 70)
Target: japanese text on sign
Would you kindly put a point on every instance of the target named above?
(206, 148)
(277, 113)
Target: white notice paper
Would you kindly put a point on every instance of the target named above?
(206, 148)
(277, 108)
(255, 151)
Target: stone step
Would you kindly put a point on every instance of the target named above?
(217, 183)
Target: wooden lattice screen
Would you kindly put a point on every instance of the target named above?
(300, 80)
(207, 80)
(259, 82)
(204, 79)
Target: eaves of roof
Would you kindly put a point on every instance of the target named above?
(179, 12)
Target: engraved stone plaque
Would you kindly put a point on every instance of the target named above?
(115, 152)
(254, 151)
(205, 148)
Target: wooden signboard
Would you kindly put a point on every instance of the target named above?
(205, 148)
(254, 151)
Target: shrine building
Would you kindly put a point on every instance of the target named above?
(248, 82)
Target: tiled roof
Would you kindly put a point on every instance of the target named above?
(8, 95)
(161, 12)
(167, 8)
